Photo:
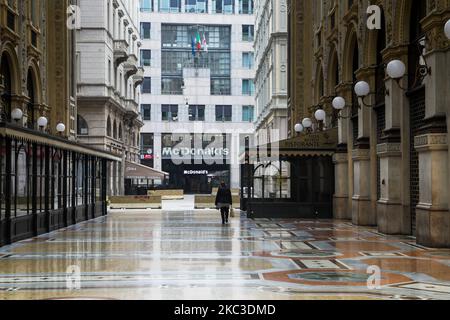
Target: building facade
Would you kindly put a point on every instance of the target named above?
(391, 166)
(47, 180)
(198, 84)
(108, 42)
(271, 53)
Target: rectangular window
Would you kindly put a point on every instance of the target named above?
(147, 85)
(171, 85)
(196, 6)
(248, 87)
(223, 6)
(146, 111)
(248, 33)
(248, 113)
(169, 112)
(146, 5)
(220, 87)
(146, 58)
(223, 113)
(145, 30)
(247, 60)
(170, 6)
(196, 113)
(246, 6)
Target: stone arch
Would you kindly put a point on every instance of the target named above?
(319, 83)
(402, 20)
(351, 40)
(8, 55)
(333, 71)
(34, 72)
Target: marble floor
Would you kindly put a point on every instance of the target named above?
(189, 254)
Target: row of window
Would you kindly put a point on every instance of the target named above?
(197, 113)
(180, 36)
(218, 86)
(198, 6)
(146, 59)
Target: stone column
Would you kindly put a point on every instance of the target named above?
(363, 206)
(432, 215)
(432, 212)
(392, 215)
(341, 198)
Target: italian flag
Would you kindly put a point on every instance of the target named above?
(199, 42)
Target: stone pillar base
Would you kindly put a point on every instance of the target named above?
(433, 228)
(393, 218)
(341, 208)
(362, 213)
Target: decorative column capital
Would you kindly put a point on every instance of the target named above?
(385, 150)
(431, 142)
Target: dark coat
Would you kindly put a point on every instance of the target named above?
(224, 196)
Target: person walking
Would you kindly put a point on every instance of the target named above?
(224, 201)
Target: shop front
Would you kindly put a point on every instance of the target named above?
(295, 180)
(197, 163)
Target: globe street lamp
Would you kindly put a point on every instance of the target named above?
(17, 114)
(42, 122)
(307, 123)
(60, 127)
(299, 128)
(396, 69)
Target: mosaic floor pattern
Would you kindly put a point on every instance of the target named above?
(191, 255)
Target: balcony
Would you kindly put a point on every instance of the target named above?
(130, 66)
(138, 78)
(132, 108)
(120, 51)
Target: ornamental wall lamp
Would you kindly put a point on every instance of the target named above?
(60, 128)
(307, 123)
(42, 123)
(339, 104)
(17, 115)
(396, 69)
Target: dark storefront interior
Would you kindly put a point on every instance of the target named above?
(196, 178)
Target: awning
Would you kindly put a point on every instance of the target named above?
(321, 143)
(139, 171)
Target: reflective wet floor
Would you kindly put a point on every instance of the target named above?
(191, 255)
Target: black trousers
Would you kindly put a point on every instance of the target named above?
(225, 211)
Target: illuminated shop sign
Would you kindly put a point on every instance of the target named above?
(192, 152)
(196, 172)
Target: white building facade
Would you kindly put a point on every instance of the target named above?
(109, 76)
(271, 82)
(199, 85)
